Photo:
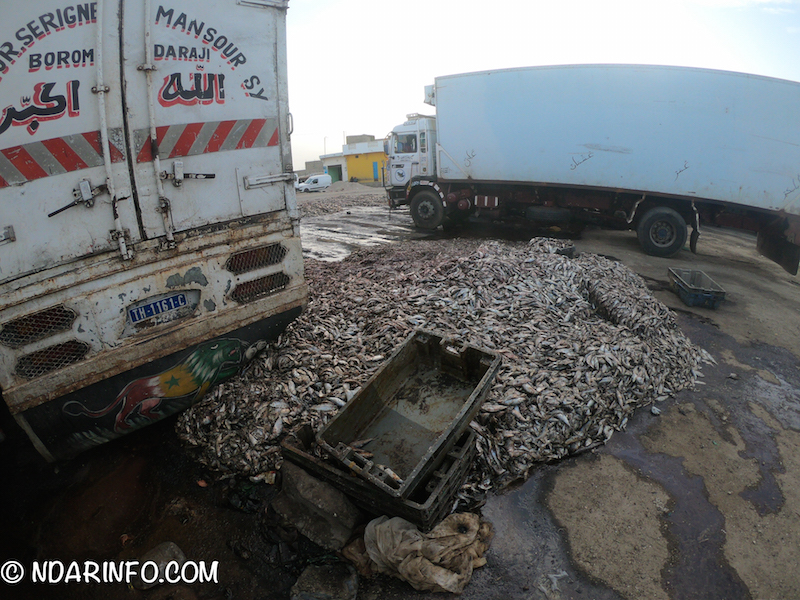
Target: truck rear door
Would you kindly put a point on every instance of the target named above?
(143, 118)
(207, 120)
(61, 137)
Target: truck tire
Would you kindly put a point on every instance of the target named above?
(662, 231)
(427, 210)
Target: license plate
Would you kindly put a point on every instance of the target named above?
(157, 307)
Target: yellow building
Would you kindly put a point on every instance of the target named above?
(366, 166)
(362, 159)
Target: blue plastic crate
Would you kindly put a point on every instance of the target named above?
(695, 288)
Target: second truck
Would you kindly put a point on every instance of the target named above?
(655, 149)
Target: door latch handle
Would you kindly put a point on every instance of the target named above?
(7, 235)
(83, 194)
(177, 176)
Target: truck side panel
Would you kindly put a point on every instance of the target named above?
(691, 133)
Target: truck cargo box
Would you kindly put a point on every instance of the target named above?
(651, 148)
(693, 133)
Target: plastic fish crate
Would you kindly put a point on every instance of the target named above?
(695, 288)
(397, 429)
(426, 507)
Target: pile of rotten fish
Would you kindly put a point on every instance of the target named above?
(582, 344)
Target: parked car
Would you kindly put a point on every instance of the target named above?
(315, 183)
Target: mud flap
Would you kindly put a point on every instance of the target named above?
(779, 250)
(693, 240)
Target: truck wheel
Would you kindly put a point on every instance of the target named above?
(662, 232)
(427, 210)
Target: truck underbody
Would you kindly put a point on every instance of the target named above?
(661, 221)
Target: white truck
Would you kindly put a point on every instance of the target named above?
(649, 148)
(149, 234)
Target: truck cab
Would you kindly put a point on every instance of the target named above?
(410, 150)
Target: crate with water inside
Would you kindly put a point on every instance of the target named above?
(695, 288)
(403, 421)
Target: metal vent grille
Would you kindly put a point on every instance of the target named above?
(263, 286)
(37, 326)
(50, 359)
(249, 260)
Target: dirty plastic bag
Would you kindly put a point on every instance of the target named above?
(439, 561)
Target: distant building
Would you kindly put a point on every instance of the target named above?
(313, 167)
(362, 158)
(335, 165)
(355, 139)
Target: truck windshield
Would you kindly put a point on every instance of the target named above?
(404, 143)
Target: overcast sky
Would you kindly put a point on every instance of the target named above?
(359, 66)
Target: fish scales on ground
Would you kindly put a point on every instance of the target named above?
(583, 343)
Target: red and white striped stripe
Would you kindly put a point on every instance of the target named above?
(57, 156)
(53, 157)
(202, 138)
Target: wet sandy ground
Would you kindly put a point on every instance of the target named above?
(700, 501)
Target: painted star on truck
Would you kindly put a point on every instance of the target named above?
(149, 399)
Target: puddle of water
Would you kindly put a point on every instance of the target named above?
(334, 236)
(532, 544)
(695, 527)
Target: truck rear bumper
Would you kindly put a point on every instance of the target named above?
(111, 408)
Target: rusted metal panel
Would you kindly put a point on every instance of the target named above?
(144, 395)
(777, 249)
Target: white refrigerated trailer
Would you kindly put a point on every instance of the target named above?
(149, 235)
(646, 147)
